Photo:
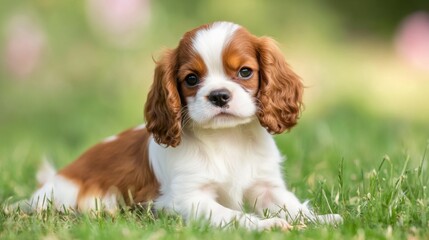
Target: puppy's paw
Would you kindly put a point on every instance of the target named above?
(270, 223)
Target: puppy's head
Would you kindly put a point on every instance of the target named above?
(221, 76)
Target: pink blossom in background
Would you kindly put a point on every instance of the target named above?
(412, 40)
(119, 20)
(24, 45)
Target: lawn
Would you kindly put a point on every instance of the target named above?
(370, 169)
(360, 148)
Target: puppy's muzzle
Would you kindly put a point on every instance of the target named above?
(219, 97)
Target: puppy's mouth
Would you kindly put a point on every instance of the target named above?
(225, 119)
(224, 113)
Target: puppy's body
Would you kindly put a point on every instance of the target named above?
(218, 173)
(109, 173)
(206, 149)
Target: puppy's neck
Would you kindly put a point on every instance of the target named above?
(250, 131)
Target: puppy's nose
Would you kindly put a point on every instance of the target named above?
(219, 97)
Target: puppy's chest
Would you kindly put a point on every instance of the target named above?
(233, 162)
(231, 165)
(231, 169)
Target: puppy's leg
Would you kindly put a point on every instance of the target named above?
(96, 201)
(266, 195)
(58, 192)
(194, 206)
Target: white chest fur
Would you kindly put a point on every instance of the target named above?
(223, 162)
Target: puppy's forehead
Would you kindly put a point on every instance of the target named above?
(209, 41)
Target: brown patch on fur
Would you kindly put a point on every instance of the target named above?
(277, 88)
(196, 66)
(163, 106)
(122, 164)
(239, 53)
(168, 93)
(280, 93)
(188, 62)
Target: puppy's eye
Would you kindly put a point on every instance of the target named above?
(191, 80)
(245, 73)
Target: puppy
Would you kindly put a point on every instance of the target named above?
(206, 148)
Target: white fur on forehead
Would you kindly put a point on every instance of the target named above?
(209, 43)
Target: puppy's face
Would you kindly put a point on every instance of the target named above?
(218, 75)
(221, 76)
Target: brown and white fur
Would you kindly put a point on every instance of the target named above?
(207, 147)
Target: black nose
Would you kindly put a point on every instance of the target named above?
(219, 97)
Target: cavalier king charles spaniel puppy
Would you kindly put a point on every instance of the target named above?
(206, 148)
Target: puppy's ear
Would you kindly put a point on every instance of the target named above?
(280, 90)
(163, 106)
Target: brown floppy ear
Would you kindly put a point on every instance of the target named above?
(280, 90)
(163, 106)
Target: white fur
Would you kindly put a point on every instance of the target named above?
(62, 194)
(221, 163)
(46, 172)
(209, 44)
(139, 127)
(224, 161)
(213, 171)
(110, 139)
(107, 203)
(58, 192)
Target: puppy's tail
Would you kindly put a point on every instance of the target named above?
(45, 173)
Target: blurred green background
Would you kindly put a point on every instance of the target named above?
(74, 72)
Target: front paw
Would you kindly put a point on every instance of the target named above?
(329, 219)
(271, 223)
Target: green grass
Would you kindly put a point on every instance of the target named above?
(360, 149)
(370, 169)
